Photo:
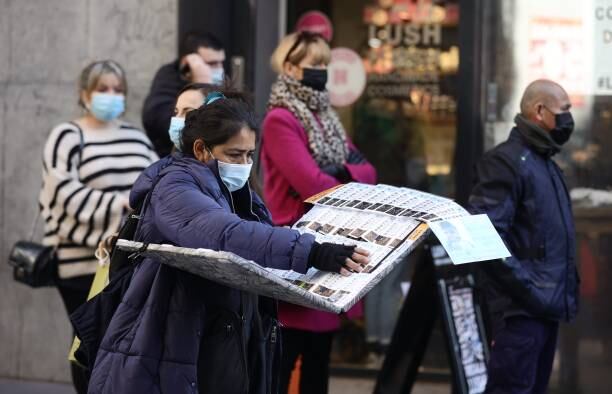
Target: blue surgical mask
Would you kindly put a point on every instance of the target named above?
(235, 176)
(107, 106)
(175, 131)
(218, 76)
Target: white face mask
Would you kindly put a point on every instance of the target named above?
(235, 176)
(218, 76)
(106, 106)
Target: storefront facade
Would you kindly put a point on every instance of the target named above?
(569, 42)
(443, 83)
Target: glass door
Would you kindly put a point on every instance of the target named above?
(569, 42)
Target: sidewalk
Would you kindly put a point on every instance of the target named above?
(10, 386)
(337, 386)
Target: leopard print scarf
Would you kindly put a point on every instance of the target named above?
(326, 135)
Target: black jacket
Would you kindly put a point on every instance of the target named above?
(159, 106)
(525, 196)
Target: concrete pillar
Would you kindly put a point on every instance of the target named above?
(43, 47)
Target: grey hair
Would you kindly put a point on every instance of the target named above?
(92, 73)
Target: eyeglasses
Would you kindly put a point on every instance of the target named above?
(303, 36)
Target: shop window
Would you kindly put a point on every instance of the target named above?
(569, 42)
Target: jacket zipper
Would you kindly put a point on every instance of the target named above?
(251, 204)
(243, 343)
(242, 319)
(273, 335)
(232, 202)
(557, 178)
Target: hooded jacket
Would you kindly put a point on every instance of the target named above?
(175, 332)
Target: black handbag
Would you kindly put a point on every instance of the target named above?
(35, 264)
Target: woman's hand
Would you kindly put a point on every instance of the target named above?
(342, 259)
(338, 171)
(358, 260)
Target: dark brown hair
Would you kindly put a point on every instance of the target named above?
(218, 121)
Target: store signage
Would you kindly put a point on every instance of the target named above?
(409, 57)
(462, 321)
(415, 11)
(603, 48)
(556, 52)
(406, 34)
(468, 337)
(316, 22)
(346, 77)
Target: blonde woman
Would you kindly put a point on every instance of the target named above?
(89, 166)
(305, 150)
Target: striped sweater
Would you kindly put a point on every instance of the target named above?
(85, 192)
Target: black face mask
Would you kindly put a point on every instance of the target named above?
(564, 126)
(315, 78)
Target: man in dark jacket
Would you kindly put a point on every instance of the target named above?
(522, 191)
(201, 58)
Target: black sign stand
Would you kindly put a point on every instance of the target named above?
(438, 290)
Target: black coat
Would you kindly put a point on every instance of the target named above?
(525, 196)
(159, 106)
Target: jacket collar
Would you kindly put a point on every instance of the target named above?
(516, 136)
(241, 200)
(536, 138)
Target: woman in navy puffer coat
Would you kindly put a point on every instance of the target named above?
(175, 332)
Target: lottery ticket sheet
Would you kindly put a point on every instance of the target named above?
(387, 221)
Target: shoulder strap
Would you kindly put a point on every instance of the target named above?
(129, 230)
(35, 224)
(142, 210)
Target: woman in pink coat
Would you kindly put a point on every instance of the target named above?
(305, 150)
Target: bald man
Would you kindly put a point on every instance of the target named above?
(522, 191)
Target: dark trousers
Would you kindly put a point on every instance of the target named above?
(522, 355)
(74, 294)
(314, 347)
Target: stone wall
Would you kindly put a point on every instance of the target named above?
(43, 46)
